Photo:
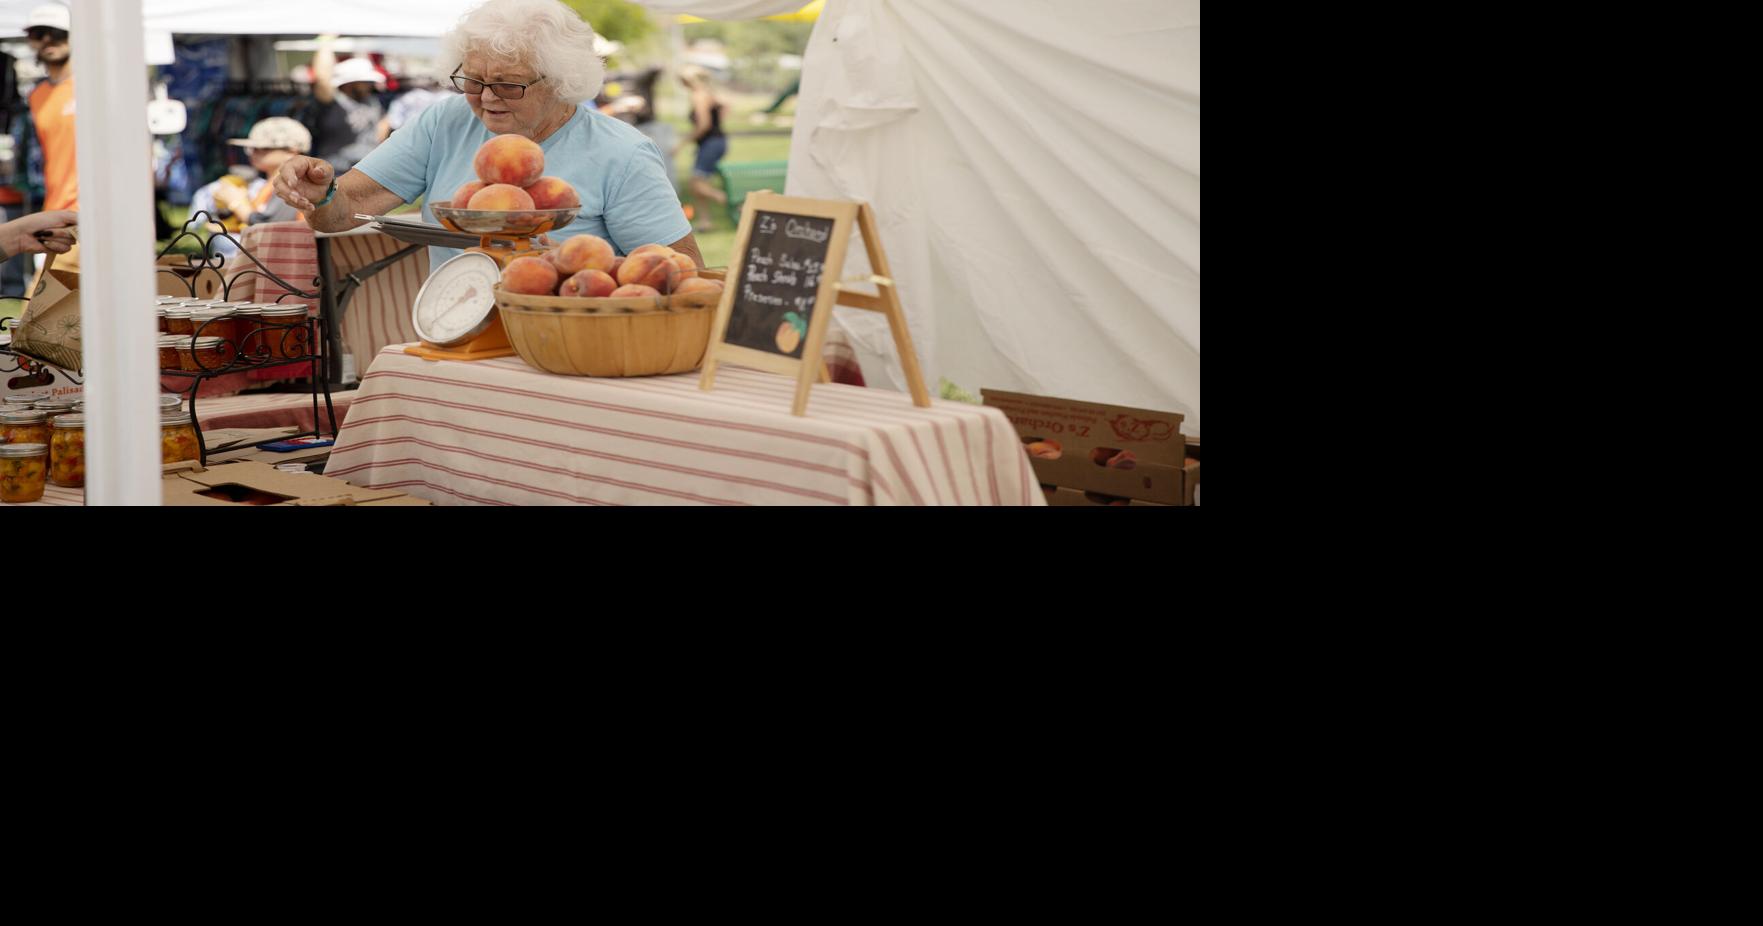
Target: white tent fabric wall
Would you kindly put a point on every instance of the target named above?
(1035, 167)
(306, 17)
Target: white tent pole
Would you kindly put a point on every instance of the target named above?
(116, 254)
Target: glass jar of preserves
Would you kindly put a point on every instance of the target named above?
(26, 426)
(67, 451)
(177, 438)
(159, 315)
(202, 355)
(177, 320)
(169, 359)
(53, 407)
(250, 318)
(285, 332)
(216, 322)
(23, 469)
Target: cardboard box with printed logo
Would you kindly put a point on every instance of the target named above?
(1112, 452)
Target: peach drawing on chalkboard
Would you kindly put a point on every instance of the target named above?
(791, 332)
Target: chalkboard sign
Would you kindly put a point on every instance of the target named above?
(778, 282)
(784, 281)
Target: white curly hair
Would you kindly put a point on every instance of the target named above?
(544, 34)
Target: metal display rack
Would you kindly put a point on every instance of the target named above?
(302, 342)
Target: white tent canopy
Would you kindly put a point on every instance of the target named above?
(305, 17)
(1035, 167)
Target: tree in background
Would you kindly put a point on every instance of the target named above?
(753, 48)
(617, 20)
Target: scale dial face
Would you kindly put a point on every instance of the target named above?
(458, 301)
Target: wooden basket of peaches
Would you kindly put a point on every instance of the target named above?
(581, 311)
(577, 308)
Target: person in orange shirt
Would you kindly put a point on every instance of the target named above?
(52, 109)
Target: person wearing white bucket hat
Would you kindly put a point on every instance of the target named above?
(350, 111)
(247, 198)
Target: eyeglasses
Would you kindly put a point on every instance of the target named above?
(471, 87)
(45, 34)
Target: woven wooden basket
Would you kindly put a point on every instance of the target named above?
(609, 337)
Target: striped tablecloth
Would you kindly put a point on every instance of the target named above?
(498, 432)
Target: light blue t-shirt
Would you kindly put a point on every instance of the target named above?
(615, 169)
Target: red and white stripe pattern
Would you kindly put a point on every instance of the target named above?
(378, 313)
(286, 249)
(498, 432)
(270, 411)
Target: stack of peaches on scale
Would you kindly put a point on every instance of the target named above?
(511, 180)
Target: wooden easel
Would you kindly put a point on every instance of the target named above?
(845, 217)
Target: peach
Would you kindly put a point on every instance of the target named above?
(511, 159)
(697, 285)
(553, 193)
(636, 291)
(592, 284)
(617, 262)
(649, 268)
(687, 269)
(501, 197)
(533, 276)
(462, 196)
(583, 252)
(1046, 450)
(1101, 455)
(1125, 459)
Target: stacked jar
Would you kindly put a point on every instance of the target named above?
(202, 354)
(250, 318)
(24, 426)
(22, 471)
(217, 322)
(177, 438)
(168, 351)
(67, 451)
(53, 407)
(285, 332)
(177, 320)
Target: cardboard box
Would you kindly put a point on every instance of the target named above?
(235, 485)
(1112, 450)
(45, 381)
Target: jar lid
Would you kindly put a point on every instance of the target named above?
(249, 309)
(211, 311)
(172, 417)
(284, 310)
(54, 405)
(205, 343)
(167, 300)
(24, 416)
(22, 451)
(26, 400)
(69, 422)
(173, 340)
(177, 311)
(167, 400)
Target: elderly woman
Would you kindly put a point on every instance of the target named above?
(525, 67)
